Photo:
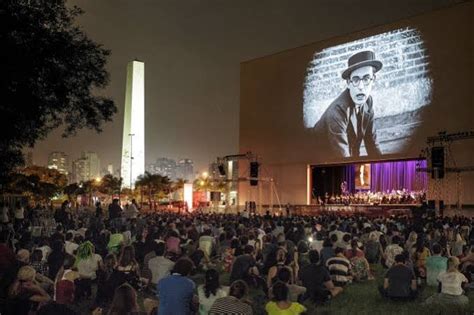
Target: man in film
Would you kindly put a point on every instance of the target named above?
(349, 119)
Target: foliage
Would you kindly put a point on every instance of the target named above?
(49, 70)
(32, 186)
(178, 184)
(153, 184)
(46, 175)
(110, 185)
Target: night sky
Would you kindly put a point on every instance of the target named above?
(192, 51)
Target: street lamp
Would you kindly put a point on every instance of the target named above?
(131, 157)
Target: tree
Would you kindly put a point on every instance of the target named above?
(49, 70)
(110, 185)
(153, 184)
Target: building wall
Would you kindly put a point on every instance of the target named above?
(272, 118)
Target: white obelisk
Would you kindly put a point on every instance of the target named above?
(133, 142)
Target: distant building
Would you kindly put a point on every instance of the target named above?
(59, 161)
(185, 170)
(164, 167)
(87, 167)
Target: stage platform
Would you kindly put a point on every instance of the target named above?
(366, 209)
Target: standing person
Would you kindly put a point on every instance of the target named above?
(281, 305)
(349, 120)
(4, 213)
(115, 213)
(132, 210)
(19, 215)
(176, 291)
(234, 303)
(210, 291)
(99, 212)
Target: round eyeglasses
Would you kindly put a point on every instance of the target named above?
(355, 81)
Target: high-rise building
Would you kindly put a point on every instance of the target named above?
(164, 167)
(133, 140)
(58, 161)
(185, 170)
(87, 167)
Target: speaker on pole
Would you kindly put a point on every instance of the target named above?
(254, 173)
(437, 162)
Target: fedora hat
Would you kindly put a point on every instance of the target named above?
(361, 59)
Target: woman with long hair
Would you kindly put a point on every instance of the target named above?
(125, 301)
(210, 291)
(128, 269)
(280, 263)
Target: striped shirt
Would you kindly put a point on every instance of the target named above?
(230, 305)
(339, 269)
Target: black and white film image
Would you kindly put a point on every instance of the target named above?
(366, 97)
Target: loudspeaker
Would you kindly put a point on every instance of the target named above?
(215, 196)
(254, 173)
(431, 204)
(437, 162)
(221, 169)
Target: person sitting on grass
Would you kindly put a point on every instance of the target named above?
(399, 282)
(235, 302)
(435, 265)
(281, 304)
(210, 291)
(317, 281)
(176, 291)
(451, 286)
(295, 291)
(339, 268)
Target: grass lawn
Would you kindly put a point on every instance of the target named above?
(364, 298)
(358, 298)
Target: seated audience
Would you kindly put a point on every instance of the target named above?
(451, 283)
(317, 280)
(399, 282)
(234, 303)
(435, 265)
(176, 291)
(210, 291)
(281, 305)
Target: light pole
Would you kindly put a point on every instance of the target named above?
(131, 158)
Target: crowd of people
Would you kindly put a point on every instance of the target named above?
(129, 262)
(375, 198)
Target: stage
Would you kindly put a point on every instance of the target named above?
(352, 209)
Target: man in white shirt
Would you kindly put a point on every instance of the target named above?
(132, 210)
(70, 247)
(160, 266)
